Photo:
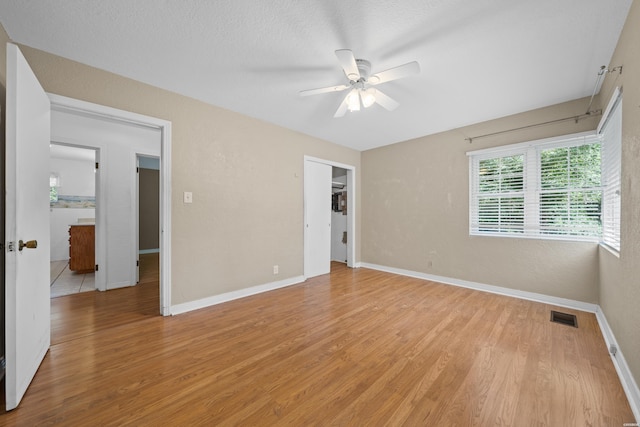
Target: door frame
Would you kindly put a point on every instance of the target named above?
(136, 203)
(351, 209)
(100, 246)
(62, 103)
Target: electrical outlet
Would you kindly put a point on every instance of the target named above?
(276, 269)
(188, 197)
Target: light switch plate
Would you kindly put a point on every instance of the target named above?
(188, 197)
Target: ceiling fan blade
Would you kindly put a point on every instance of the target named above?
(386, 102)
(395, 73)
(323, 90)
(348, 64)
(342, 109)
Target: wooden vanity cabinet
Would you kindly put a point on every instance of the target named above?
(82, 248)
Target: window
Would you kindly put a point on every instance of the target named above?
(610, 130)
(546, 189)
(500, 195)
(570, 192)
(54, 183)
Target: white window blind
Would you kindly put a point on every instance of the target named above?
(610, 129)
(543, 189)
(570, 191)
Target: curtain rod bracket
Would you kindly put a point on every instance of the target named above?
(618, 69)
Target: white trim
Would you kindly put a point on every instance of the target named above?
(626, 377)
(612, 251)
(530, 296)
(587, 239)
(63, 103)
(230, 296)
(615, 98)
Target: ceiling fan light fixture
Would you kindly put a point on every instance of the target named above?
(353, 101)
(368, 97)
(360, 94)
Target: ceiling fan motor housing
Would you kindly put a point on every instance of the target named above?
(364, 67)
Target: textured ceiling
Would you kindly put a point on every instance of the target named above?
(480, 59)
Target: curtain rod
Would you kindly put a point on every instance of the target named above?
(576, 118)
(603, 70)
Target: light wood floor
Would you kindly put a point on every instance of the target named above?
(357, 347)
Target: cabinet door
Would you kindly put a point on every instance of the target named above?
(82, 248)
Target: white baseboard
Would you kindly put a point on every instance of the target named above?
(531, 296)
(624, 373)
(626, 378)
(230, 296)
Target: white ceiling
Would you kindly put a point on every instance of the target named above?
(480, 59)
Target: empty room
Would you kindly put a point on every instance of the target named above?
(420, 213)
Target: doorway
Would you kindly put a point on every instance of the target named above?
(72, 198)
(119, 137)
(318, 179)
(339, 215)
(148, 217)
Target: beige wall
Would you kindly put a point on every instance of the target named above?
(245, 175)
(620, 277)
(416, 213)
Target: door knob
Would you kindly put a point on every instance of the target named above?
(30, 244)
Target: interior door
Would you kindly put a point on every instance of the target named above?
(317, 198)
(27, 326)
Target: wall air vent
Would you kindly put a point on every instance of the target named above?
(564, 318)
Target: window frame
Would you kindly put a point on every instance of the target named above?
(612, 174)
(531, 150)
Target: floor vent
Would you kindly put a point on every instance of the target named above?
(564, 318)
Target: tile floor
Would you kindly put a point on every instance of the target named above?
(66, 282)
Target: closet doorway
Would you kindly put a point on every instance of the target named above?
(318, 200)
(339, 215)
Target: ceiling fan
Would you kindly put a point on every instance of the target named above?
(361, 83)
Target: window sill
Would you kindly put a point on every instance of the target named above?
(539, 237)
(612, 251)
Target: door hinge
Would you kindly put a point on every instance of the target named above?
(97, 266)
(137, 263)
(97, 165)
(137, 170)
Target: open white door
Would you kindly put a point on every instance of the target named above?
(27, 222)
(317, 212)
